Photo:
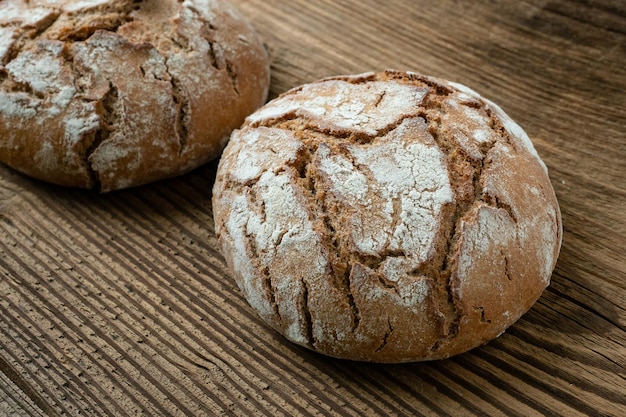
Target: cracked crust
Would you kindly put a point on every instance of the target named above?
(116, 93)
(386, 217)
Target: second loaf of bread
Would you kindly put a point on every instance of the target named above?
(117, 93)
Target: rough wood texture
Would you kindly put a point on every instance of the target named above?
(119, 304)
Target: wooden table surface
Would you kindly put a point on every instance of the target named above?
(119, 304)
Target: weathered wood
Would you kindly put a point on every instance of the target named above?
(120, 304)
(13, 401)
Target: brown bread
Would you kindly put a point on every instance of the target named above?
(386, 217)
(118, 93)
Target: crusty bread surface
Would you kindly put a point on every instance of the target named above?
(111, 94)
(386, 217)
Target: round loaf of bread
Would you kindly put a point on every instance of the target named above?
(111, 94)
(386, 217)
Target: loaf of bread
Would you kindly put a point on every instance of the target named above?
(111, 94)
(386, 217)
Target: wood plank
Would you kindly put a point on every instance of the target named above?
(15, 402)
(120, 304)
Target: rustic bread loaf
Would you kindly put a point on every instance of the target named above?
(386, 217)
(118, 93)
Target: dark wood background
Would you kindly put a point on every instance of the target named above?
(119, 304)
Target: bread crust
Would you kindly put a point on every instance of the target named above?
(386, 217)
(117, 93)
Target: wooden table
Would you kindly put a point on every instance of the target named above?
(119, 304)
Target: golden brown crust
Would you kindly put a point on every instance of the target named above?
(386, 217)
(118, 93)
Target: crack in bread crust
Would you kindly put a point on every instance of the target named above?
(333, 165)
(340, 269)
(181, 100)
(465, 177)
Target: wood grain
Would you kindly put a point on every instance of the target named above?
(120, 304)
